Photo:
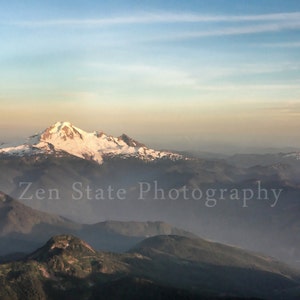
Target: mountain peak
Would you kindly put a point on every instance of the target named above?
(63, 138)
(61, 130)
(129, 141)
(60, 244)
(68, 242)
(61, 123)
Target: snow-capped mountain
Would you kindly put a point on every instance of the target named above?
(63, 137)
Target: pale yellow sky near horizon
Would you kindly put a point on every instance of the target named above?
(193, 123)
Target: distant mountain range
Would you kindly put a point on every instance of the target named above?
(161, 267)
(22, 229)
(64, 155)
(67, 182)
(250, 160)
(63, 138)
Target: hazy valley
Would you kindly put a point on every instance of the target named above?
(115, 192)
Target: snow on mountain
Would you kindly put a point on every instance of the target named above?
(63, 137)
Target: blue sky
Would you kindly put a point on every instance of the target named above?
(177, 74)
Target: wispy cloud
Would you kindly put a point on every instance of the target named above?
(167, 76)
(219, 25)
(187, 76)
(148, 74)
(228, 31)
(282, 45)
(151, 18)
(251, 69)
(160, 75)
(288, 107)
(245, 87)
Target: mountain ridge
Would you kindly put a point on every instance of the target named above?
(16, 217)
(66, 267)
(22, 227)
(63, 137)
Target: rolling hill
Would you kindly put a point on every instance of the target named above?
(22, 229)
(163, 267)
